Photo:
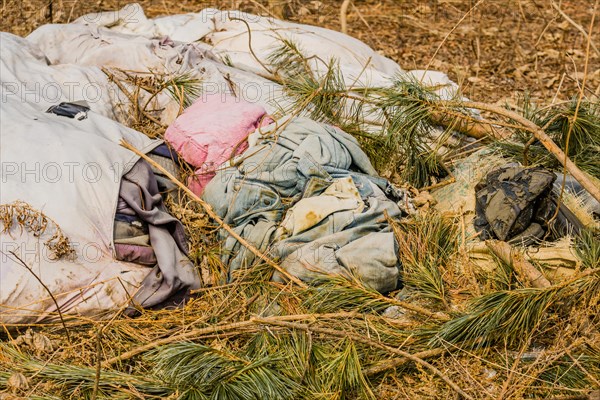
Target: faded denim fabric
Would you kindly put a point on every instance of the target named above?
(299, 162)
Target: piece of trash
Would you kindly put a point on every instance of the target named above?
(35, 341)
(17, 382)
(77, 109)
(490, 373)
(516, 204)
(394, 312)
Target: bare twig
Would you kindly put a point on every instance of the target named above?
(238, 326)
(449, 33)
(367, 341)
(62, 320)
(575, 115)
(289, 321)
(575, 25)
(202, 332)
(344, 16)
(250, 42)
(386, 365)
(544, 139)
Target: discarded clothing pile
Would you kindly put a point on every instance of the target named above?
(145, 233)
(517, 204)
(307, 193)
(66, 91)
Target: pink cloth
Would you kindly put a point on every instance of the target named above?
(207, 133)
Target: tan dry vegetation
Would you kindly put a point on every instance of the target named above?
(340, 340)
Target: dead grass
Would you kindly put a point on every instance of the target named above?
(501, 49)
(21, 216)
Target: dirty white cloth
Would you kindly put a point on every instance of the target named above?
(228, 38)
(92, 47)
(74, 179)
(28, 77)
(71, 171)
(215, 46)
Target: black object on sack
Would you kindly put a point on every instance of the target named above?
(77, 110)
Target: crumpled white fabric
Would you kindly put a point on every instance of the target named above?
(71, 171)
(228, 38)
(59, 63)
(92, 46)
(213, 47)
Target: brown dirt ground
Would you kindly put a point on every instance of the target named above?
(497, 51)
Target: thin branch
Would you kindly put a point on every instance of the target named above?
(201, 332)
(344, 16)
(449, 33)
(575, 115)
(367, 341)
(575, 25)
(98, 363)
(250, 42)
(287, 322)
(544, 139)
(62, 320)
(386, 365)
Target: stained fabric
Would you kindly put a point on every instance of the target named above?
(306, 193)
(516, 203)
(71, 171)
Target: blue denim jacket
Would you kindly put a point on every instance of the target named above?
(295, 163)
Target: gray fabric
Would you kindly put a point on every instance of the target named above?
(352, 257)
(297, 163)
(173, 272)
(164, 183)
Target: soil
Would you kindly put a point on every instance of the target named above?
(498, 50)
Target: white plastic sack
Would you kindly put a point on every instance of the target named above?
(71, 171)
